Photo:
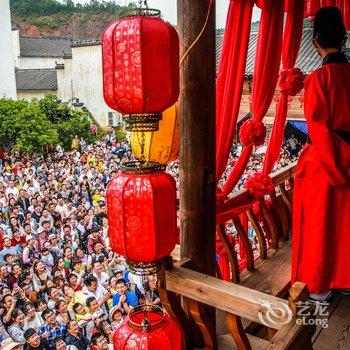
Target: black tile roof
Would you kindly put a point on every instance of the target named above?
(45, 47)
(307, 61)
(36, 79)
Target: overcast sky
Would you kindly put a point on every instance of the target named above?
(168, 8)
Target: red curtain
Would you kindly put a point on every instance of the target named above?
(346, 13)
(311, 7)
(328, 3)
(230, 78)
(266, 68)
(291, 44)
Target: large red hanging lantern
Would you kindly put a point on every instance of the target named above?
(148, 327)
(141, 211)
(140, 56)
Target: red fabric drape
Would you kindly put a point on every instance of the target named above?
(266, 68)
(328, 3)
(346, 13)
(291, 44)
(311, 7)
(230, 78)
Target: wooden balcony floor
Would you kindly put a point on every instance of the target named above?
(335, 337)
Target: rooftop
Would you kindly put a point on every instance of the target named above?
(36, 79)
(45, 47)
(307, 61)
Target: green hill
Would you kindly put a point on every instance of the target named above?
(37, 18)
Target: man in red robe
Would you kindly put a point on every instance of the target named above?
(321, 213)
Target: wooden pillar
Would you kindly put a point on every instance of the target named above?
(197, 135)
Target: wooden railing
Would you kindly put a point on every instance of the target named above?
(271, 223)
(246, 307)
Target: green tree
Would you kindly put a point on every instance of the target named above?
(56, 111)
(24, 127)
(68, 121)
(30, 126)
(36, 130)
(77, 124)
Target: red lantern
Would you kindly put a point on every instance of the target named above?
(140, 57)
(141, 211)
(148, 327)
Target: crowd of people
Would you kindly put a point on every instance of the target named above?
(61, 286)
(290, 153)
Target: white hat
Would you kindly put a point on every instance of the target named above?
(97, 314)
(51, 236)
(8, 344)
(29, 237)
(112, 311)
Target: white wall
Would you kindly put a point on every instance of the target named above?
(65, 81)
(30, 62)
(82, 78)
(7, 70)
(30, 94)
(16, 49)
(37, 62)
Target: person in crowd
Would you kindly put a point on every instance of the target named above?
(32, 319)
(33, 341)
(124, 299)
(99, 342)
(16, 331)
(75, 337)
(115, 317)
(51, 329)
(9, 344)
(60, 344)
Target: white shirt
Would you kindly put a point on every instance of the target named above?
(61, 208)
(14, 191)
(103, 279)
(100, 292)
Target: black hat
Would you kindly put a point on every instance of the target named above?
(329, 28)
(28, 333)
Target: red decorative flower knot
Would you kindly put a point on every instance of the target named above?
(259, 185)
(252, 133)
(291, 81)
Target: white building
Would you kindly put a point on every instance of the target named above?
(35, 60)
(59, 66)
(39, 53)
(80, 76)
(7, 71)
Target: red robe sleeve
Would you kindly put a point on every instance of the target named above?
(317, 113)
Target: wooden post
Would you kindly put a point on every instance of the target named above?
(197, 132)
